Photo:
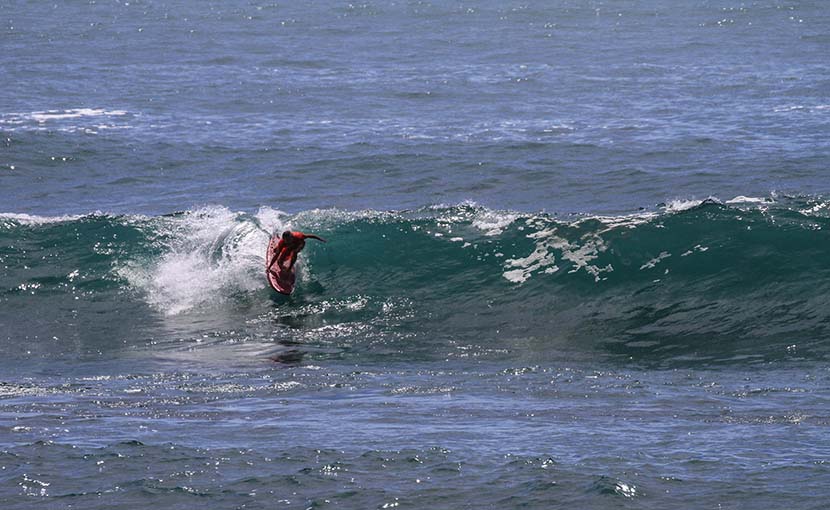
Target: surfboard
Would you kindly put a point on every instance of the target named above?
(279, 279)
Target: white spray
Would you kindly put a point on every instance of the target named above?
(212, 254)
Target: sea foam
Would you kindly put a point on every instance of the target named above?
(212, 254)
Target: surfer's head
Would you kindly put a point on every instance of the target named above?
(286, 236)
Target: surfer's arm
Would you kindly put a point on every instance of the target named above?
(312, 236)
(283, 254)
(273, 260)
(278, 255)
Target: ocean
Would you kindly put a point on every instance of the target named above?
(577, 254)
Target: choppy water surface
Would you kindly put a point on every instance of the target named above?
(147, 107)
(577, 255)
(462, 434)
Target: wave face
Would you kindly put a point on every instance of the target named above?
(740, 281)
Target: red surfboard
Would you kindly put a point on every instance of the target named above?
(281, 280)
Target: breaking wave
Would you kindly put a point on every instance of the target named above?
(692, 279)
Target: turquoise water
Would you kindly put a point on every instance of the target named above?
(576, 258)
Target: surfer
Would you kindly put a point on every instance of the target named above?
(290, 245)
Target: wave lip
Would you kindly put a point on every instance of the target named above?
(30, 219)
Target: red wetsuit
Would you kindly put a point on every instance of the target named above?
(290, 245)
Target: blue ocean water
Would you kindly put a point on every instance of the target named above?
(577, 254)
